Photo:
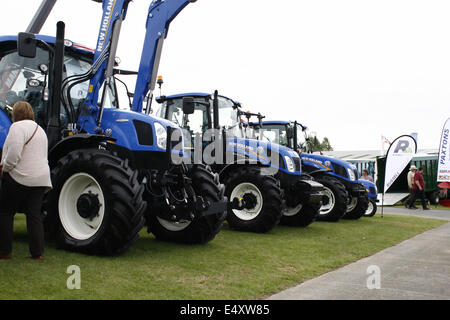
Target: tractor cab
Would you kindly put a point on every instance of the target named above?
(27, 78)
(198, 116)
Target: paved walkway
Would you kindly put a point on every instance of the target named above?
(415, 269)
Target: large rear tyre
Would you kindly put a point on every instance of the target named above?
(96, 205)
(303, 217)
(201, 229)
(371, 209)
(334, 204)
(358, 206)
(262, 196)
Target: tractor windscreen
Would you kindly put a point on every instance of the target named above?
(26, 79)
(201, 120)
(23, 79)
(275, 134)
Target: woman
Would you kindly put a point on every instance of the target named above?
(366, 176)
(25, 178)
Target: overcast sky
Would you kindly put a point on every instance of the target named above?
(350, 70)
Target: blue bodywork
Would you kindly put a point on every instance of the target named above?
(5, 123)
(334, 167)
(371, 189)
(257, 150)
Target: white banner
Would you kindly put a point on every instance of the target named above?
(398, 157)
(443, 174)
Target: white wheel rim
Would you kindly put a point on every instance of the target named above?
(369, 208)
(75, 225)
(247, 188)
(174, 225)
(326, 208)
(352, 204)
(292, 211)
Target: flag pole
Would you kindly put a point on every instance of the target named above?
(382, 204)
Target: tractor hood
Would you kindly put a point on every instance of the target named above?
(266, 153)
(370, 187)
(336, 166)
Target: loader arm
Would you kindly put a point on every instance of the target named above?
(160, 15)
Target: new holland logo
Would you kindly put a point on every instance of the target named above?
(105, 25)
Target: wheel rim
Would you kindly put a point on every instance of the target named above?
(80, 226)
(242, 190)
(369, 208)
(329, 206)
(292, 211)
(352, 204)
(174, 225)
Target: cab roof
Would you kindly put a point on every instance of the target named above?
(49, 39)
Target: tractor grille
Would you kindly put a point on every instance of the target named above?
(144, 132)
(340, 170)
(297, 163)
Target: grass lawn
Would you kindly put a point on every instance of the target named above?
(235, 265)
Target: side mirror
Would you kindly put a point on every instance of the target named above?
(290, 133)
(188, 105)
(26, 45)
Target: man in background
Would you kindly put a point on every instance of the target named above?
(410, 179)
(419, 190)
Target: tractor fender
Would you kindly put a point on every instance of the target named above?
(224, 172)
(71, 143)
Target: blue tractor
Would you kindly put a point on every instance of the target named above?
(112, 170)
(345, 196)
(263, 181)
(372, 193)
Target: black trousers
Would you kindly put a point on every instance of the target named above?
(14, 198)
(418, 194)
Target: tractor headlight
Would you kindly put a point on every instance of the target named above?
(161, 135)
(351, 174)
(289, 164)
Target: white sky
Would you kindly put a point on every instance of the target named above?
(350, 70)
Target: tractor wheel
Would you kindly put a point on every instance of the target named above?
(199, 230)
(334, 204)
(96, 205)
(262, 196)
(301, 216)
(357, 207)
(433, 197)
(371, 209)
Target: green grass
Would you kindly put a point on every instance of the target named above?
(235, 265)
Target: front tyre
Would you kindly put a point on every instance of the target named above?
(201, 229)
(261, 195)
(301, 216)
(357, 207)
(371, 209)
(334, 204)
(96, 205)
